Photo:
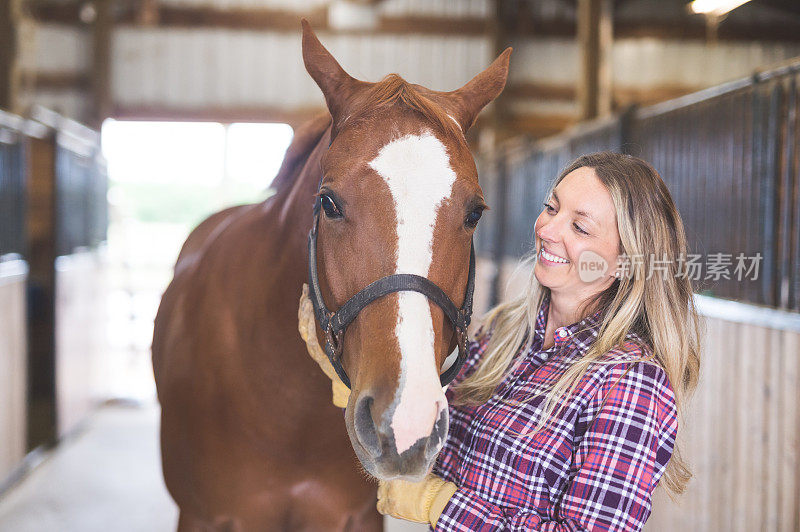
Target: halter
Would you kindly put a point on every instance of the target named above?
(335, 323)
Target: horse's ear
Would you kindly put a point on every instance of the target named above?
(468, 101)
(336, 84)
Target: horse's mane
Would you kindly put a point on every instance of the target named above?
(306, 137)
(394, 90)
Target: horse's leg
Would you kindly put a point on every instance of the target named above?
(333, 507)
(189, 523)
(370, 521)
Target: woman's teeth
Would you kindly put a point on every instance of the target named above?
(553, 258)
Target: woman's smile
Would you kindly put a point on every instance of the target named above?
(550, 259)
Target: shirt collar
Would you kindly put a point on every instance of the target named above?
(581, 334)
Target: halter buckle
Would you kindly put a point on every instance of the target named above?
(334, 340)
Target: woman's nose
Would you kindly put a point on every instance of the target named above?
(549, 231)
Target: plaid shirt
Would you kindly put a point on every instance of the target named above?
(593, 467)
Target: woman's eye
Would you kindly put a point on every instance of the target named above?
(330, 207)
(473, 217)
(578, 228)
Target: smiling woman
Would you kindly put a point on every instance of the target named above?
(566, 414)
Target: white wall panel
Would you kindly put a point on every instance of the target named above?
(56, 48)
(648, 62)
(458, 8)
(289, 5)
(453, 8)
(185, 68)
(554, 61)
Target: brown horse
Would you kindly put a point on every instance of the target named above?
(249, 438)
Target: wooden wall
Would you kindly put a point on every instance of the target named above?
(81, 346)
(742, 433)
(13, 365)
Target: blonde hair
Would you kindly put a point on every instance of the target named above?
(660, 310)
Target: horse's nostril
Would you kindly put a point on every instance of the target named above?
(437, 437)
(365, 426)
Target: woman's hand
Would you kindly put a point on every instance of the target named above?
(307, 325)
(421, 502)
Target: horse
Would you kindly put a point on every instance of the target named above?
(249, 437)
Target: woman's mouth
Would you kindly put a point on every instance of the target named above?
(549, 258)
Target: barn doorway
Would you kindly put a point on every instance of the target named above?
(164, 179)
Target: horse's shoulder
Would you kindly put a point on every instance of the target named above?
(204, 233)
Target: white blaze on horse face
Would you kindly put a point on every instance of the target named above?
(417, 170)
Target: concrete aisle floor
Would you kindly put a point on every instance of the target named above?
(106, 478)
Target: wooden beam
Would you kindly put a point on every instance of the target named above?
(225, 115)
(10, 75)
(626, 96)
(101, 62)
(432, 25)
(530, 90)
(535, 124)
(254, 19)
(283, 21)
(594, 42)
(531, 124)
(149, 12)
(539, 126)
(59, 81)
(622, 96)
(533, 90)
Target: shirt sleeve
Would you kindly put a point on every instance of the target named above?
(629, 438)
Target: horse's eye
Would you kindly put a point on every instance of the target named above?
(330, 207)
(473, 217)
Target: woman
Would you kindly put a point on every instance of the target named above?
(566, 413)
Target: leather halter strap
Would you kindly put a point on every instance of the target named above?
(335, 323)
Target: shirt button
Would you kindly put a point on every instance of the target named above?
(562, 333)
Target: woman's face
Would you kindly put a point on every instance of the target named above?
(579, 225)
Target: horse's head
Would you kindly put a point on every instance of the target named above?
(399, 195)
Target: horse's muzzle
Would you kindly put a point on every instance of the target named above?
(376, 446)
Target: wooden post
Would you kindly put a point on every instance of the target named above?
(10, 76)
(148, 13)
(594, 39)
(500, 41)
(101, 63)
(41, 255)
(499, 131)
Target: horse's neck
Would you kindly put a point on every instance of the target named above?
(288, 220)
